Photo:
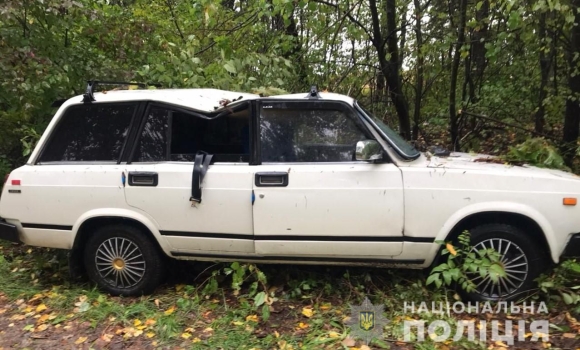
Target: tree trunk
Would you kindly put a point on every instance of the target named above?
(391, 67)
(420, 68)
(454, 129)
(539, 118)
(572, 117)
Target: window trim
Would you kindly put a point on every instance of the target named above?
(342, 106)
(180, 109)
(60, 122)
(368, 119)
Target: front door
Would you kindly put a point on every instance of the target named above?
(313, 199)
(159, 181)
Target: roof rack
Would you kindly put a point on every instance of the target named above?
(89, 97)
(313, 94)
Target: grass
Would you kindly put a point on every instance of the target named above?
(205, 306)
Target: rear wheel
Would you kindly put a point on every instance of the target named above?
(122, 260)
(520, 257)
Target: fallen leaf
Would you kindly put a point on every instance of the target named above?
(156, 302)
(348, 341)
(106, 338)
(136, 323)
(41, 328)
(195, 340)
(43, 318)
(501, 344)
(150, 322)
(307, 311)
(169, 311)
(253, 318)
(325, 307)
(40, 308)
(302, 325)
(364, 347)
(150, 335)
(333, 334)
(81, 340)
(238, 323)
(185, 335)
(569, 335)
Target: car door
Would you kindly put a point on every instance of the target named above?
(159, 181)
(313, 199)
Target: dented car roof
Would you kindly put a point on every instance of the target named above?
(202, 100)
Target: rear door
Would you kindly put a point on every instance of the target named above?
(313, 199)
(159, 181)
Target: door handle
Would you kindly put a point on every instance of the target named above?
(142, 178)
(272, 179)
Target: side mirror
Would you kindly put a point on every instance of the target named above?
(368, 150)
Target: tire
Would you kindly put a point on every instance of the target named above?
(122, 260)
(522, 259)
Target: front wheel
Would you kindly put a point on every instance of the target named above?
(122, 260)
(520, 258)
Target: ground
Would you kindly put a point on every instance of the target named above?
(215, 306)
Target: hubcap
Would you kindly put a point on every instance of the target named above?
(514, 263)
(120, 262)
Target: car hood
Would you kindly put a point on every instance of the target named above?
(484, 162)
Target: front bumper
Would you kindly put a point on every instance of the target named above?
(8, 231)
(573, 247)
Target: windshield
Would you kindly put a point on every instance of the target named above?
(404, 148)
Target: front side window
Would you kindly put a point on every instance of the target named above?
(91, 132)
(170, 135)
(296, 133)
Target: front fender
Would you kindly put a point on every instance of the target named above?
(506, 207)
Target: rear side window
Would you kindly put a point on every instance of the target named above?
(92, 132)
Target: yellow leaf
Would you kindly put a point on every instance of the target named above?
(451, 249)
(169, 311)
(186, 335)
(81, 340)
(41, 328)
(253, 318)
(333, 334)
(150, 322)
(150, 335)
(188, 330)
(307, 311)
(106, 338)
(208, 329)
(501, 344)
(302, 325)
(238, 323)
(325, 307)
(43, 318)
(276, 334)
(195, 340)
(569, 335)
(136, 323)
(141, 327)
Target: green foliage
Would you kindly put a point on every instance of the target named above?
(538, 152)
(562, 285)
(463, 261)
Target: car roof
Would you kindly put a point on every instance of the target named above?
(202, 100)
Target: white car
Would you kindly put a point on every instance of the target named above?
(125, 178)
